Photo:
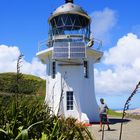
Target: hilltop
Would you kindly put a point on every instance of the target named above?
(28, 84)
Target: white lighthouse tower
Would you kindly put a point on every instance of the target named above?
(69, 57)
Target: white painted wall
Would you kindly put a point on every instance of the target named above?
(71, 78)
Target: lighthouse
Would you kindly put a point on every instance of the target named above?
(70, 56)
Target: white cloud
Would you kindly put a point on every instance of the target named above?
(34, 68)
(8, 57)
(125, 52)
(8, 60)
(123, 67)
(102, 23)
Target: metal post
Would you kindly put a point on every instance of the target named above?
(69, 50)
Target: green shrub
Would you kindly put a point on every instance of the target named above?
(26, 116)
(22, 113)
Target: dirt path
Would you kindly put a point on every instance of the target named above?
(131, 130)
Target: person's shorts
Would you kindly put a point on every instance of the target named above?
(103, 118)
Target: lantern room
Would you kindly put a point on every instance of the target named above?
(69, 31)
(69, 19)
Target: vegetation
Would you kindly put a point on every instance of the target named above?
(17, 115)
(133, 116)
(126, 107)
(25, 117)
(28, 118)
(128, 115)
(29, 84)
(114, 113)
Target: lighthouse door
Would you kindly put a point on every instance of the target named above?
(71, 81)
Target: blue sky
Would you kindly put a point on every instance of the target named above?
(23, 23)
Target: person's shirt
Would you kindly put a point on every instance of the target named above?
(103, 109)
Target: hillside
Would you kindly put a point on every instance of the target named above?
(28, 84)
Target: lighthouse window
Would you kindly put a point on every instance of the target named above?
(69, 100)
(53, 69)
(86, 69)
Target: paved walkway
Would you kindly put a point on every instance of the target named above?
(131, 130)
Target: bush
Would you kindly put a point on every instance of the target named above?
(26, 116)
(22, 113)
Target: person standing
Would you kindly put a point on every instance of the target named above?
(103, 110)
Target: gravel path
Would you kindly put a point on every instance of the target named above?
(131, 130)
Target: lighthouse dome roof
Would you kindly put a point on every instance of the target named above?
(69, 8)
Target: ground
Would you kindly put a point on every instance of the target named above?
(131, 130)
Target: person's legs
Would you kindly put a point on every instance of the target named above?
(101, 119)
(107, 122)
(108, 126)
(101, 125)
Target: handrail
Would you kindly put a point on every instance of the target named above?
(42, 45)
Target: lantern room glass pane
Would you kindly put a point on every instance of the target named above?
(70, 24)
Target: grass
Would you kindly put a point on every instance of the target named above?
(7, 75)
(113, 113)
(29, 84)
(133, 116)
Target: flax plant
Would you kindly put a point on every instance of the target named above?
(126, 107)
